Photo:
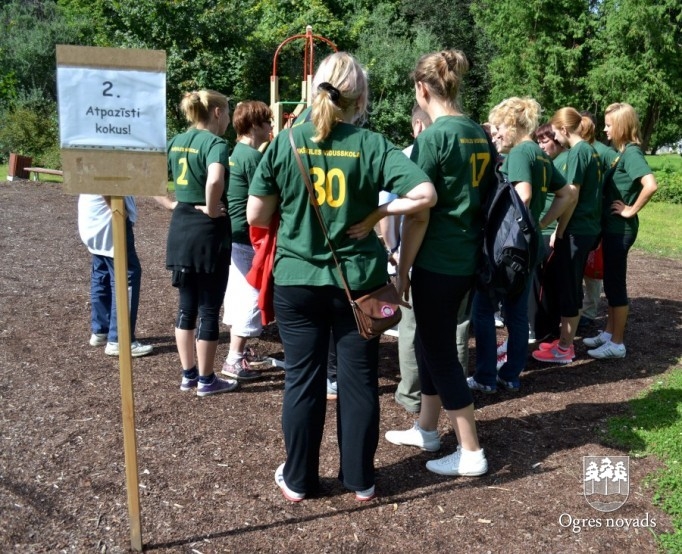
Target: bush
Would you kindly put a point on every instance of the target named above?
(669, 186)
(31, 131)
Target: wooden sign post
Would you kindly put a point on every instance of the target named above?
(112, 128)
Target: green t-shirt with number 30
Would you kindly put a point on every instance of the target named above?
(347, 170)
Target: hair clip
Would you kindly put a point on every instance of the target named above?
(334, 93)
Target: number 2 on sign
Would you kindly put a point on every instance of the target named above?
(479, 161)
(323, 183)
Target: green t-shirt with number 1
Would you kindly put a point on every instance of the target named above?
(527, 162)
(347, 170)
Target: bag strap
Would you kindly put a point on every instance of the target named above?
(316, 207)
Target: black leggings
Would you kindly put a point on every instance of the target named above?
(437, 298)
(616, 248)
(201, 295)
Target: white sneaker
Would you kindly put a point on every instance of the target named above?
(608, 350)
(460, 462)
(290, 495)
(137, 349)
(594, 342)
(366, 495)
(98, 339)
(415, 436)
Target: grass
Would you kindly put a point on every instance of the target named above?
(665, 161)
(49, 178)
(655, 428)
(659, 232)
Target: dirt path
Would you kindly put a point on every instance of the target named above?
(206, 465)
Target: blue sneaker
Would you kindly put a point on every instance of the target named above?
(512, 385)
(216, 386)
(475, 385)
(188, 384)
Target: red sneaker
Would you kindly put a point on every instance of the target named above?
(555, 355)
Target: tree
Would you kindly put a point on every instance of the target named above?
(389, 51)
(637, 51)
(30, 33)
(541, 48)
(452, 25)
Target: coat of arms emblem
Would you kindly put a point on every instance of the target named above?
(606, 481)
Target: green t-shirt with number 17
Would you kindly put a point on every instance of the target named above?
(347, 170)
(454, 153)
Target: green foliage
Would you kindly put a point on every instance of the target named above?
(668, 172)
(540, 49)
(633, 62)
(654, 427)
(451, 24)
(30, 32)
(31, 130)
(389, 52)
(669, 186)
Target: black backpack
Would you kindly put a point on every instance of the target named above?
(510, 241)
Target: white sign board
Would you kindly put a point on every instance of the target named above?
(112, 109)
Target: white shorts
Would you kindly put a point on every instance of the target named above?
(240, 307)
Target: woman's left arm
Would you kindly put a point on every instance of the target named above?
(421, 197)
(649, 187)
(260, 209)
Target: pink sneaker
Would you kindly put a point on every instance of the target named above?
(555, 355)
(548, 345)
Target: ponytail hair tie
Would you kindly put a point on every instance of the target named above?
(333, 92)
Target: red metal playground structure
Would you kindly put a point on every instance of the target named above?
(282, 117)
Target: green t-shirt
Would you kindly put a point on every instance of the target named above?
(527, 162)
(630, 166)
(347, 171)
(189, 155)
(454, 153)
(243, 162)
(584, 172)
(606, 156)
(559, 163)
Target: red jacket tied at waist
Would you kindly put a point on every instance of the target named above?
(260, 276)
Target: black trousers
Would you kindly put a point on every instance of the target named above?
(306, 316)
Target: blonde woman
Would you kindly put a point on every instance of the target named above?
(454, 152)
(532, 173)
(198, 249)
(630, 188)
(348, 167)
